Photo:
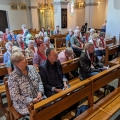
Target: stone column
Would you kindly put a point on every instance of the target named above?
(91, 13)
(58, 4)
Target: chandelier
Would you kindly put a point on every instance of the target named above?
(45, 5)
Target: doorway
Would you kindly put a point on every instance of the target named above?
(3, 21)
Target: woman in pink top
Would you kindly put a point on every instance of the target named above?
(64, 56)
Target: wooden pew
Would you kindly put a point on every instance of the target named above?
(3, 71)
(111, 41)
(104, 109)
(109, 51)
(69, 66)
(60, 44)
(89, 86)
(14, 115)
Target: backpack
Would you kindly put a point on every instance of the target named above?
(108, 89)
(81, 109)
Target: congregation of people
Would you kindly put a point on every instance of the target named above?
(33, 83)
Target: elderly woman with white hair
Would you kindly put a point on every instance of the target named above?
(29, 52)
(9, 65)
(19, 42)
(64, 56)
(25, 84)
(7, 54)
(92, 31)
(76, 42)
(47, 42)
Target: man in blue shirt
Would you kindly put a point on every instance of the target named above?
(68, 37)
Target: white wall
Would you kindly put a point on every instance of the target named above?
(101, 8)
(15, 17)
(113, 19)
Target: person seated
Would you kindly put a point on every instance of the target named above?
(99, 51)
(49, 31)
(11, 36)
(9, 65)
(19, 42)
(92, 31)
(25, 31)
(89, 63)
(51, 74)
(42, 32)
(78, 28)
(0, 51)
(39, 56)
(1, 35)
(86, 36)
(64, 56)
(76, 42)
(101, 42)
(56, 31)
(29, 52)
(5, 35)
(47, 42)
(68, 37)
(7, 54)
(24, 84)
(28, 37)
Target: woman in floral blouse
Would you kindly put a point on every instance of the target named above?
(25, 84)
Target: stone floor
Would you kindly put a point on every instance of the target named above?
(113, 83)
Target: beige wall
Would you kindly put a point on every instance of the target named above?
(16, 17)
(101, 14)
(31, 17)
(113, 19)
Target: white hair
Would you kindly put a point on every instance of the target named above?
(1, 33)
(69, 51)
(8, 44)
(76, 31)
(18, 36)
(30, 41)
(70, 30)
(16, 57)
(24, 26)
(46, 39)
(15, 49)
(88, 44)
(92, 30)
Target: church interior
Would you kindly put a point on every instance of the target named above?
(59, 60)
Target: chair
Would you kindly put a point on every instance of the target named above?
(14, 115)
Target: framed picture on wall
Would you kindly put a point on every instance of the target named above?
(13, 6)
(23, 6)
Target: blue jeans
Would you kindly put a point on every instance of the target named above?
(92, 74)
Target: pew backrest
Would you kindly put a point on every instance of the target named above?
(110, 51)
(73, 94)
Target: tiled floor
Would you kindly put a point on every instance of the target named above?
(113, 83)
